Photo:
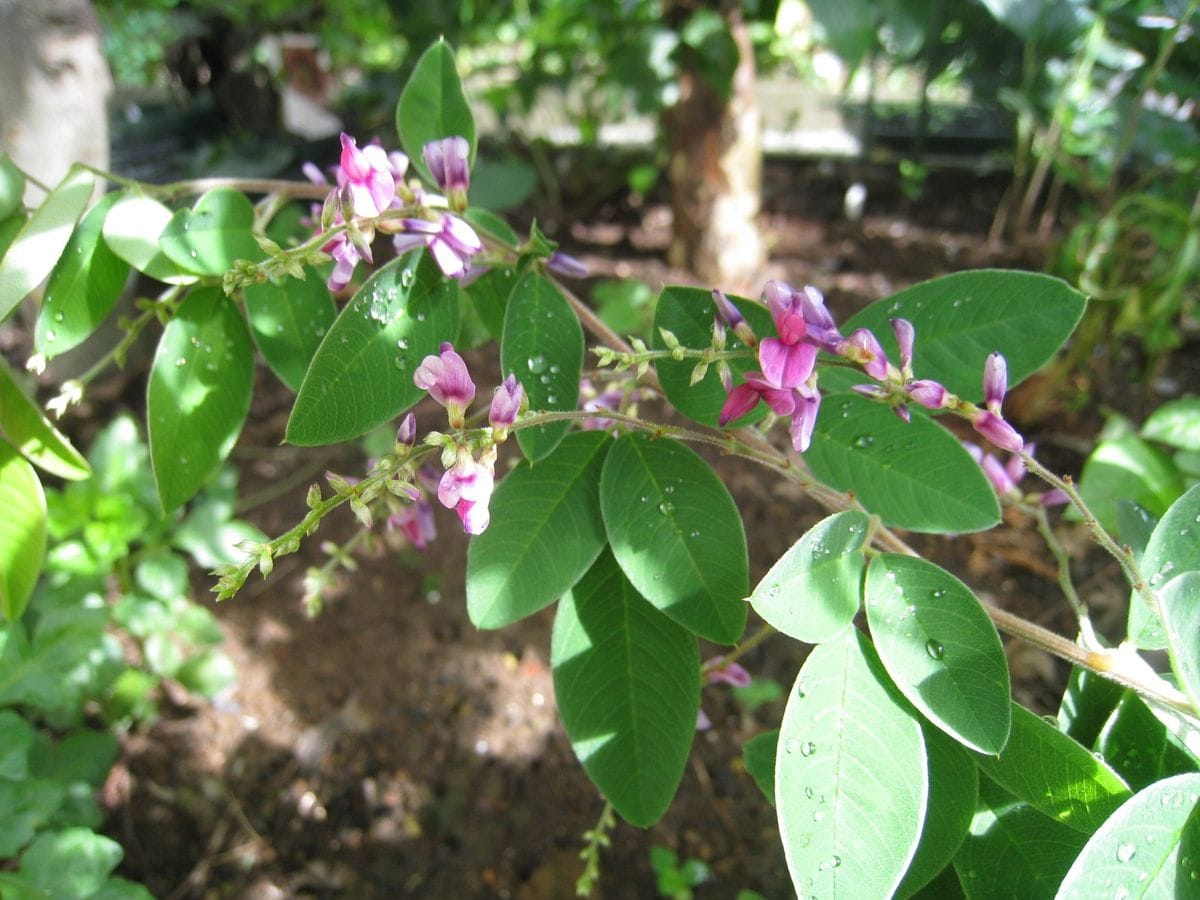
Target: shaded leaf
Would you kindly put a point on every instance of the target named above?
(543, 347)
(913, 475)
(1055, 775)
(208, 238)
(288, 320)
(627, 683)
(1138, 746)
(362, 373)
(1128, 468)
(546, 532)
(22, 531)
(759, 754)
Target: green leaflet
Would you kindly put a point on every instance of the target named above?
(546, 532)
(676, 534)
(433, 106)
(627, 682)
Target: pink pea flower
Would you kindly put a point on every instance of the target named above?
(365, 178)
(804, 418)
(989, 422)
(416, 522)
(715, 670)
(594, 401)
(905, 335)
(928, 394)
(864, 348)
(346, 256)
(449, 163)
(407, 432)
(745, 397)
(448, 382)
(732, 317)
(466, 487)
(506, 406)
(451, 241)
(787, 360)
(566, 265)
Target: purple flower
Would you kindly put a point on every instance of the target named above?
(451, 241)
(466, 487)
(995, 382)
(868, 352)
(804, 418)
(787, 360)
(822, 330)
(928, 394)
(506, 405)
(905, 335)
(996, 430)
(448, 382)
(716, 669)
(566, 265)
(734, 319)
(745, 397)
(787, 312)
(346, 255)
(416, 522)
(594, 401)
(449, 163)
(407, 432)
(365, 178)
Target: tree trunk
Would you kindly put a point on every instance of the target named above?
(54, 86)
(715, 171)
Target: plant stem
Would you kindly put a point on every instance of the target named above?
(1086, 631)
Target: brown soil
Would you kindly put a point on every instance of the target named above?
(389, 749)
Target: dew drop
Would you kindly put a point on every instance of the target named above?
(402, 344)
(832, 863)
(1126, 852)
(58, 317)
(554, 370)
(401, 362)
(695, 534)
(666, 508)
(537, 364)
(194, 254)
(773, 590)
(181, 361)
(805, 839)
(808, 748)
(934, 649)
(791, 746)
(819, 816)
(939, 593)
(51, 336)
(551, 399)
(420, 317)
(863, 441)
(809, 793)
(407, 277)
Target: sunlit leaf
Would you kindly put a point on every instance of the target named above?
(288, 320)
(22, 531)
(132, 229)
(433, 106)
(814, 590)
(24, 425)
(676, 534)
(41, 240)
(199, 393)
(851, 778)
(208, 238)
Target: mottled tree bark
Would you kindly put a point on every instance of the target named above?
(715, 171)
(54, 86)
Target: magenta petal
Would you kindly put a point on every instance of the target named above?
(997, 475)
(804, 419)
(773, 357)
(448, 260)
(740, 401)
(999, 432)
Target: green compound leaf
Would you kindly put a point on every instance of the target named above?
(132, 229)
(1055, 775)
(627, 683)
(288, 320)
(22, 531)
(1180, 600)
(953, 794)
(1012, 850)
(41, 240)
(543, 347)
(940, 648)
(1176, 424)
(813, 591)
(546, 531)
(199, 393)
(676, 534)
(1150, 847)
(74, 862)
(688, 314)
(433, 106)
(961, 318)
(1138, 746)
(23, 424)
(208, 238)
(850, 778)
(759, 755)
(83, 286)
(1174, 549)
(362, 374)
(913, 475)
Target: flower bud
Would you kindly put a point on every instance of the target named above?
(506, 406)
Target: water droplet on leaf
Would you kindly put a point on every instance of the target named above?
(808, 748)
(934, 649)
(1126, 852)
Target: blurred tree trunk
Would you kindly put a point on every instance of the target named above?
(715, 165)
(54, 86)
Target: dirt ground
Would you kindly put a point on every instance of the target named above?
(389, 749)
